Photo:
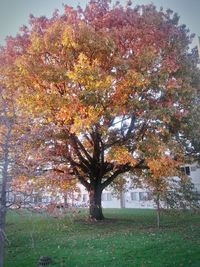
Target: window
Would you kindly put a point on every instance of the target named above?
(84, 197)
(134, 196)
(103, 197)
(106, 197)
(149, 196)
(109, 196)
(185, 170)
(37, 199)
(14, 198)
(145, 196)
(142, 196)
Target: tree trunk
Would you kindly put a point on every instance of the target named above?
(122, 200)
(2, 235)
(4, 175)
(3, 191)
(158, 211)
(66, 200)
(95, 209)
(3, 206)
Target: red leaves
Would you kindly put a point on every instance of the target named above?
(82, 71)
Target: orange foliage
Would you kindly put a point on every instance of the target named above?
(107, 88)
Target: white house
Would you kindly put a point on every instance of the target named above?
(133, 198)
(137, 197)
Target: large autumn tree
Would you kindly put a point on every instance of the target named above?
(110, 85)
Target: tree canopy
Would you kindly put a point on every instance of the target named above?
(111, 86)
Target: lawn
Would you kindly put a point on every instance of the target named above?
(127, 238)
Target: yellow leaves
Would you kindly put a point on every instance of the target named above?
(21, 66)
(80, 117)
(131, 81)
(52, 36)
(37, 43)
(89, 74)
(62, 184)
(91, 85)
(136, 79)
(85, 73)
(120, 155)
(82, 70)
(85, 120)
(83, 61)
(32, 103)
(161, 172)
(162, 167)
(50, 40)
(49, 184)
(67, 39)
(130, 89)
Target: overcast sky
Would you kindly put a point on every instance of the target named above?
(15, 13)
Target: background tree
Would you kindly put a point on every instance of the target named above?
(30, 188)
(111, 86)
(7, 120)
(182, 196)
(159, 179)
(191, 128)
(169, 188)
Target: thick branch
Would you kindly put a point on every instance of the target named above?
(78, 153)
(80, 165)
(131, 127)
(123, 169)
(80, 146)
(81, 178)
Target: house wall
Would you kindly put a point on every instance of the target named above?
(134, 198)
(195, 176)
(138, 197)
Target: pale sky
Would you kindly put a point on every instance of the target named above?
(15, 13)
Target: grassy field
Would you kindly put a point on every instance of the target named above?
(127, 238)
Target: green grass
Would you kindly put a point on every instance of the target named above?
(127, 238)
